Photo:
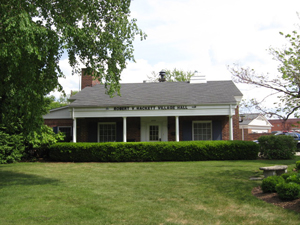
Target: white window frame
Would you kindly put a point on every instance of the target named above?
(202, 121)
(102, 123)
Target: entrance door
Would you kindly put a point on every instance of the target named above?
(154, 133)
(154, 129)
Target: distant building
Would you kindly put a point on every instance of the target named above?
(288, 125)
(253, 123)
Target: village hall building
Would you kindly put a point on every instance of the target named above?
(150, 111)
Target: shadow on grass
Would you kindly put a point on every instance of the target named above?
(8, 178)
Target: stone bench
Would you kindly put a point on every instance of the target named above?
(274, 170)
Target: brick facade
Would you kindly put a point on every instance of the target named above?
(87, 80)
(235, 123)
(289, 125)
(58, 122)
(248, 136)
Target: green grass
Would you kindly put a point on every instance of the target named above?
(211, 192)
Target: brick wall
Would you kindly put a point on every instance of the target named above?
(235, 123)
(134, 129)
(248, 136)
(289, 125)
(58, 122)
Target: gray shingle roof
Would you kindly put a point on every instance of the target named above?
(164, 93)
(248, 118)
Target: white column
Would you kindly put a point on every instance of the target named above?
(74, 130)
(243, 133)
(177, 127)
(124, 130)
(74, 126)
(230, 124)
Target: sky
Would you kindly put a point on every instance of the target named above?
(205, 36)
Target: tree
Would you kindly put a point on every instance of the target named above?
(286, 85)
(173, 76)
(33, 36)
(56, 103)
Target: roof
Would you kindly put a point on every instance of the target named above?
(248, 118)
(161, 93)
(253, 118)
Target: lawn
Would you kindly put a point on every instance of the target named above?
(210, 192)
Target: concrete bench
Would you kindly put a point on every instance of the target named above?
(274, 170)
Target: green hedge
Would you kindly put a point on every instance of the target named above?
(277, 147)
(145, 151)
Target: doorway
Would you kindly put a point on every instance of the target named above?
(154, 129)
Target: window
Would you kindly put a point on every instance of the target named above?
(153, 133)
(107, 132)
(68, 133)
(202, 130)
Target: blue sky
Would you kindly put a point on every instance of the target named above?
(205, 36)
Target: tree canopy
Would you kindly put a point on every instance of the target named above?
(56, 103)
(286, 84)
(34, 34)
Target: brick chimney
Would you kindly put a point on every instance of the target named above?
(87, 80)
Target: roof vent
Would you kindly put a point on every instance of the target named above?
(197, 78)
(162, 75)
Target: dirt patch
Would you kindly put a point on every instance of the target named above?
(273, 198)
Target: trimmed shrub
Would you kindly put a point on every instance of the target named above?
(277, 146)
(294, 178)
(269, 183)
(288, 174)
(146, 151)
(288, 191)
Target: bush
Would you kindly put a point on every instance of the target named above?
(288, 191)
(269, 183)
(286, 175)
(294, 178)
(37, 143)
(298, 165)
(11, 146)
(277, 146)
(146, 151)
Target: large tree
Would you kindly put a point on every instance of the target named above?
(285, 85)
(35, 33)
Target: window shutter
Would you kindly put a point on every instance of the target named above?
(187, 131)
(55, 130)
(119, 131)
(217, 129)
(92, 132)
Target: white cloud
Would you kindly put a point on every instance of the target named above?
(206, 36)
